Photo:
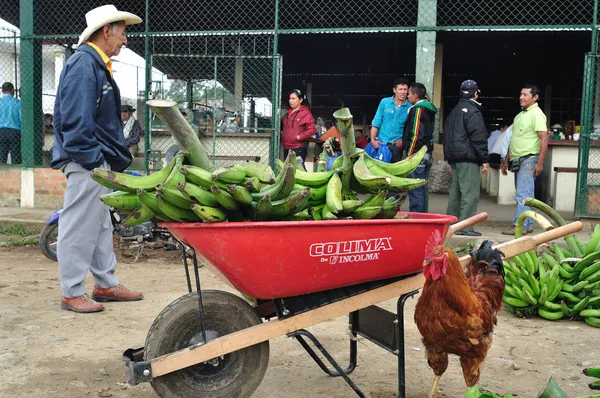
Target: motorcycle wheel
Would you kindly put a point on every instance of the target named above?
(48, 240)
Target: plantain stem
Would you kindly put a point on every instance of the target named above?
(538, 218)
(348, 144)
(187, 138)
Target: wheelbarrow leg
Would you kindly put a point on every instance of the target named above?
(186, 266)
(300, 334)
(400, 339)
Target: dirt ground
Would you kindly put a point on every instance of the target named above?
(48, 352)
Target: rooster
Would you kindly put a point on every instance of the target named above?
(456, 312)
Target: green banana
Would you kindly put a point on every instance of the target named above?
(395, 200)
(129, 183)
(306, 214)
(542, 271)
(515, 302)
(138, 216)
(174, 212)
(316, 193)
(208, 214)
(565, 264)
(175, 177)
(253, 184)
(121, 200)
(576, 287)
(351, 205)
(201, 177)
(511, 291)
(240, 194)
(224, 198)
(367, 179)
(555, 291)
(573, 246)
(388, 212)
(229, 175)
(566, 274)
(566, 310)
(402, 217)
(558, 252)
(589, 312)
(590, 270)
(377, 199)
(262, 208)
(315, 179)
(366, 213)
(586, 261)
(203, 197)
(534, 283)
(550, 315)
(326, 213)
(290, 205)
(595, 277)
(568, 296)
(592, 372)
(396, 184)
(149, 201)
(595, 322)
(525, 286)
(577, 308)
(357, 187)
(534, 261)
(284, 184)
(333, 196)
(552, 306)
(543, 294)
(594, 241)
(582, 246)
(530, 297)
(403, 167)
(175, 197)
(317, 212)
(257, 170)
(592, 286)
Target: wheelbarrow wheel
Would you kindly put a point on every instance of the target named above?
(237, 374)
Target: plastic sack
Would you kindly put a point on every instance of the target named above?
(382, 153)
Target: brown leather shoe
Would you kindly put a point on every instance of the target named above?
(82, 304)
(115, 293)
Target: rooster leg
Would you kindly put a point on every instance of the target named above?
(434, 389)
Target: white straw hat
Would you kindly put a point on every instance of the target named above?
(100, 16)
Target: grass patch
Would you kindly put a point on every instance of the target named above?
(17, 228)
(466, 249)
(20, 242)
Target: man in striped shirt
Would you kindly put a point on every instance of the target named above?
(418, 132)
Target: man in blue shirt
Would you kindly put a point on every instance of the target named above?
(388, 124)
(10, 125)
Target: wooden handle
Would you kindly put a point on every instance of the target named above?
(526, 243)
(477, 218)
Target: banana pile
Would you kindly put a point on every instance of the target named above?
(593, 372)
(250, 191)
(563, 284)
(189, 189)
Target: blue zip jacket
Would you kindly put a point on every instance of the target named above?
(390, 120)
(87, 115)
(10, 112)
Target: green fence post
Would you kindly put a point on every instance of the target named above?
(148, 87)
(31, 88)
(581, 195)
(274, 94)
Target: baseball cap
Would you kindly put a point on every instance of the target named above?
(469, 87)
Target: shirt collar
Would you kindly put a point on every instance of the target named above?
(403, 104)
(104, 57)
(535, 105)
(478, 103)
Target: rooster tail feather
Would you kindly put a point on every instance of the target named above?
(489, 255)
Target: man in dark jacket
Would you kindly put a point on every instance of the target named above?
(465, 148)
(418, 132)
(88, 135)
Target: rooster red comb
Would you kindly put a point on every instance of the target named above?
(432, 243)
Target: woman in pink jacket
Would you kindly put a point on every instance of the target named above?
(298, 125)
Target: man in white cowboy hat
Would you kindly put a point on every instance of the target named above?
(89, 134)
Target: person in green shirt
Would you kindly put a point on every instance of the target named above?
(527, 150)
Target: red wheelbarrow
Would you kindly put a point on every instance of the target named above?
(212, 343)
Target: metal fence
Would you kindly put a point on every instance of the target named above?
(219, 60)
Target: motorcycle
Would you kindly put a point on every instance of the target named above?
(142, 233)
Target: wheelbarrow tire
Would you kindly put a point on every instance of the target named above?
(47, 238)
(237, 375)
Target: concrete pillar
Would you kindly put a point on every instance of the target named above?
(27, 187)
(239, 83)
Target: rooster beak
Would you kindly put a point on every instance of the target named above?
(426, 262)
